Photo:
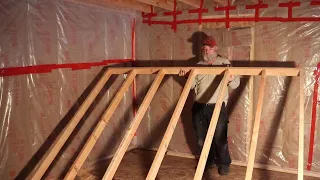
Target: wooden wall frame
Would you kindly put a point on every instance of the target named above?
(161, 72)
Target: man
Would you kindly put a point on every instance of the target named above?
(206, 93)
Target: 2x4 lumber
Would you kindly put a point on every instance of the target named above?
(256, 126)
(250, 113)
(100, 127)
(249, 71)
(56, 147)
(212, 127)
(193, 3)
(165, 4)
(301, 126)
(131, 4)
(113, 166)
(170, 129)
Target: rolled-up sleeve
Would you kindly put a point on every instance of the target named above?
(193, 85)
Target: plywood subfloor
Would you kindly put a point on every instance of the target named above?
(136, 164)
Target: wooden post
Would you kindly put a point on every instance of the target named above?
(212, 127)
(170, 129)
(253, 145)
(250, 110)
(56, 147)
(301, 126)
(99, 128)
(113, 166)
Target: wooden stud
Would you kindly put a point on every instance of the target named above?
(56, 147)
(113, 166)
(170, 129)
(254, 140)
(301, 127)
(212, 127)
(250, 111)
(77, 164)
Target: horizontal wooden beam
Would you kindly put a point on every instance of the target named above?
(168, 5)
(131, 4)
(193, 3)
(254, 71)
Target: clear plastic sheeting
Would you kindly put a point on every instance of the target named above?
(34, 108)
(286, 44)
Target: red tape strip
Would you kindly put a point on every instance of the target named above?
(257, 8)
(315, 3)
(290, 5)
(200, 11)
(13, 71)
(134, 95)
(314, 116)
(227, 19)
(227, 10)
(149, 16)
(173, 13)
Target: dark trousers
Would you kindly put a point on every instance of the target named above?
(201, 117)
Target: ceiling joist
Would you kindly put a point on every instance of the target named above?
(131, 4)
(193, 3)
(224, 2)
(164, 4)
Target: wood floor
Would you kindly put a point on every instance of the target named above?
(136, 164)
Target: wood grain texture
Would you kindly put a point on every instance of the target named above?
(255, 133)
(77, 164)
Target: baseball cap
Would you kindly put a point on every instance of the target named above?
(210, 41)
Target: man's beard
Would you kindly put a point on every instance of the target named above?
(209, 57)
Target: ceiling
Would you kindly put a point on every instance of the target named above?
(147, 5)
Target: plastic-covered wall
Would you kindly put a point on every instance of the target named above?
(276, 44)
(35, 107)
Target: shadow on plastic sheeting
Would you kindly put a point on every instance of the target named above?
(157, 130)
(32, 163)
(275, 124)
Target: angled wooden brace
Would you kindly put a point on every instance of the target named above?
(56, 147)
(212, 127)
(255, 134)
(301, 126)
(114, 164)
(170, 129)
(99, 127)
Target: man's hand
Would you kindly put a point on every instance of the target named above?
(231, 78)
(182, 72)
